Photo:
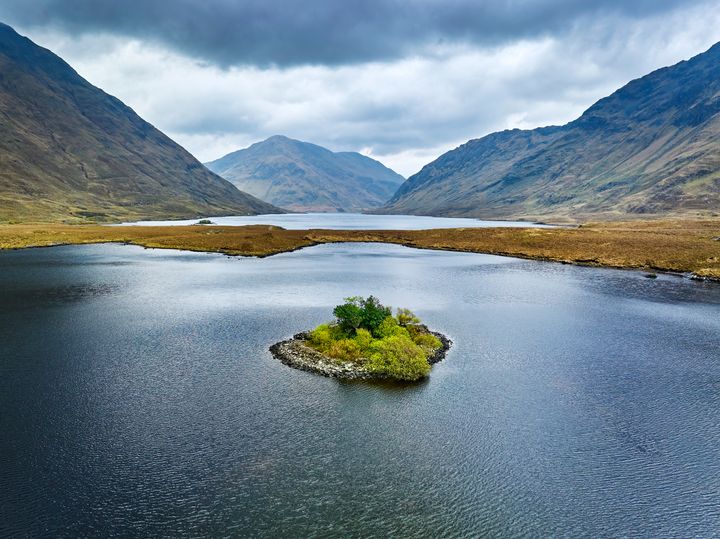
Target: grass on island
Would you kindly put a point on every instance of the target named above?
(366, 333)
(669, 245)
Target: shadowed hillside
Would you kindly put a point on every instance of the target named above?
(68, 150)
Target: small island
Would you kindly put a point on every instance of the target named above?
(366, 342)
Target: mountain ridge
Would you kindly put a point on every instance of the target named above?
(70, 151)
(303, 176)
(650, 147)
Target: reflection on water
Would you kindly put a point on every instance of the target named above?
(139, 398)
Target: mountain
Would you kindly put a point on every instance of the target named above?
(652, 147)
(306, 177)
(69, 150)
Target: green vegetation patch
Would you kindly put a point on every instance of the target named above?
(366, 333)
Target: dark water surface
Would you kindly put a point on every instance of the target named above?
(138, 398)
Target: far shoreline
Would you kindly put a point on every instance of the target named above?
(685, 247)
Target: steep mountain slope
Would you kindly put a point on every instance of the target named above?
(306, 177)
(68, 150)
(652, 147)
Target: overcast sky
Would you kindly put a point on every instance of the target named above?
(401, 81)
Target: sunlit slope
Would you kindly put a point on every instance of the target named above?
(652, 147)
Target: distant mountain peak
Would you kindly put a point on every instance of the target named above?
(303, 176)
(278, 138)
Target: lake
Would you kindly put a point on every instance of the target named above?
(346, 221)
(139, 398)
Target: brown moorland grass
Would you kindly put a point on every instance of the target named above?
(670, 245)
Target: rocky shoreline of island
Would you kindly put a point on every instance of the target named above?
(297, 354)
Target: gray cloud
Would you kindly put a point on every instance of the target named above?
(434, 83)
(405, 112)
(322, 32)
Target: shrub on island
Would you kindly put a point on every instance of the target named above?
(366, 333)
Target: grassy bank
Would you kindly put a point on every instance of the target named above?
(672, 245)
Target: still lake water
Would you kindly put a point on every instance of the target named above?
(347, 221)
(139, 398)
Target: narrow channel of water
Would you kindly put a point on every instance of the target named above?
(347, 221)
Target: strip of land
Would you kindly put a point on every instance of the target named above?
(683, 246)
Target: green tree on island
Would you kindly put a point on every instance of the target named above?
(358, 312)
(365, 332)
